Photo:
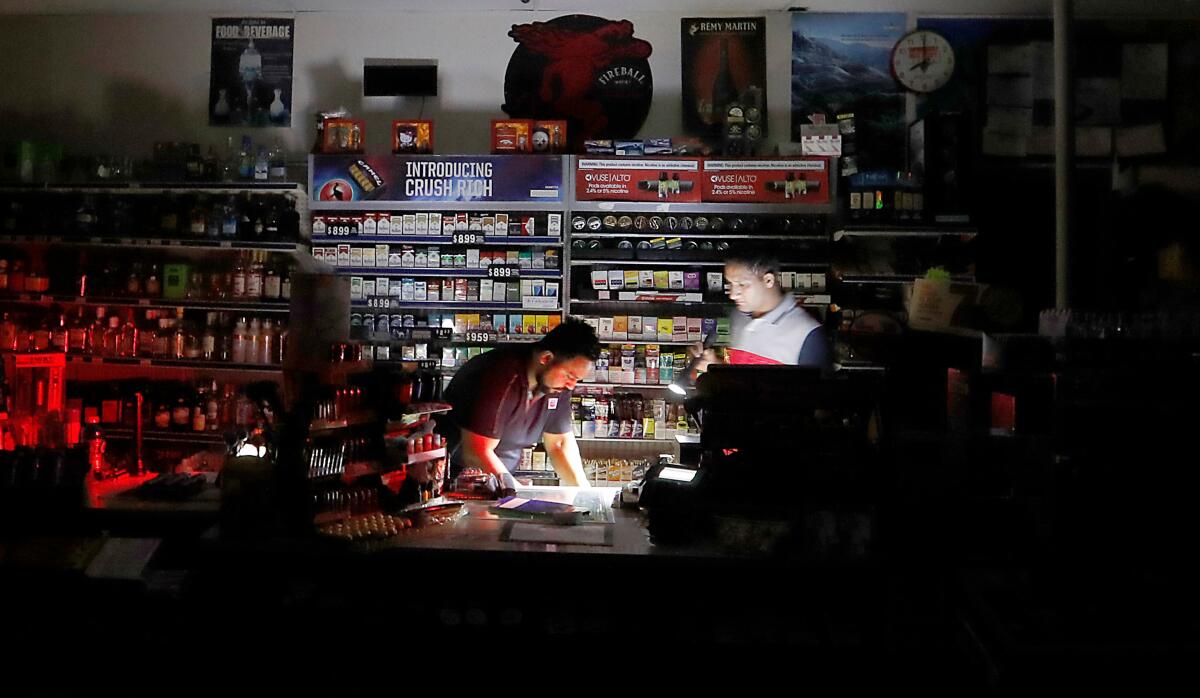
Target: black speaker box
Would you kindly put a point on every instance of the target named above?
(400, 79)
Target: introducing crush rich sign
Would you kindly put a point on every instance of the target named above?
(588, 70)
(509, 178)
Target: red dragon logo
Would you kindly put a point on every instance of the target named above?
(588, 70)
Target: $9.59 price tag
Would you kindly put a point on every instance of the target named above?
(480, 337)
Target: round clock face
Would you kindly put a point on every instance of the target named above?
(922, 61)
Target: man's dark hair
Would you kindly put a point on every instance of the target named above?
(758, 261)
(572, 338)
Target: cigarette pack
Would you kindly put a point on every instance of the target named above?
(691, 281)
(695, 329)
(423, 224)
(501, 227)
(473, 290)
(675, 279)
(410, 137)
(679, 329)
(368, 257)
(649, 327)
(498, 291)
(531, 324)
(662, 280)
(635, 326)
(549, 136)
(420, 290)
(600, 280)
(631, 278)
(511, 135)
(368, 288)
(616, 279)
(606, 328)
(382, 286)
(356, 257)
(435, 224)
(356, 288)
(472, 258)
(525, 259)
(552, 289)
(370, 224)
(646, 278)
(666, 329)
(408, 257)
(716, 281)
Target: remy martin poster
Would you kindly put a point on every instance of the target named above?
(722, 58)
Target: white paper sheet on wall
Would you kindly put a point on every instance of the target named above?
(1010, 59)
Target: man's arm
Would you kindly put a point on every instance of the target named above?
(564, 456)
(479, 451)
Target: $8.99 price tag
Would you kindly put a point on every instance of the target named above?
(503, 271)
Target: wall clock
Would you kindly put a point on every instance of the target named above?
(922, 61)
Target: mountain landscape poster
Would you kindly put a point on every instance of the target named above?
(840, 64)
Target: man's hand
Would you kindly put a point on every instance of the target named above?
(703, 357)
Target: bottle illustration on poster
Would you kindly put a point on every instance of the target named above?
(723, 59)
(250, 83)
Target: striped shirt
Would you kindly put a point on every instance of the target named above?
(786, 335)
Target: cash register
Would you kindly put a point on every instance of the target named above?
(775, 441)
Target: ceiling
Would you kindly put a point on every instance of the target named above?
(1174, 8)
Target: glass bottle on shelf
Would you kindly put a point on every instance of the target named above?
(289, 221)
(246, 160)
(77, 334)
(285, 284)
(245, 227)
(162, 412)
(153, 283)
(267, 343)
(224, 339)
(85, 216)
(228, 406)
(95, 333)
(164, 338)
(3, 274)
(229, 218)
(254, 276)
(59, 333)
(254, 341)
(212, 408)
(179, 338)
(239, 277)
(148, 339)
(229, 161)
(262, 165)
(271, 219)
(276, 163)
(272, 289)
(281, 344)
(258, 216)
(16, 276)
(208, 341)
(191, 342)
(241, 342)
(168, 218)
(198, 217)
(10, 333)
(129, 337)
(133, 282)
(212, 220)
(111, 346)
(181, 413)
(200, 409)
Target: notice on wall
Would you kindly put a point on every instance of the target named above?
(722, 59)
(508, 178)
(250, 83)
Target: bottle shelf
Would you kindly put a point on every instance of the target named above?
(135, 302)
(176, 363)
(516, 240)
(445, 272)
(898, 231)
(156, 243)
(163, 436)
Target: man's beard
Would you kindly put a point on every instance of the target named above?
(541, 388)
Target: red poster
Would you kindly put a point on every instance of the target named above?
(790, 181)
(666, 180)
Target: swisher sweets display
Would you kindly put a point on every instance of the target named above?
(721, 59)
(250, 83)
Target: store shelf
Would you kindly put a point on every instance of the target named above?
(647, 341)
(450, 305)
(161, 436)
(343, 423)
(155, 243)
(697, 208)
(552, 204)
(447, 272)
(177, 363)
(424, 456)
(714, 304)
(692, 233)
(903, 231)
(130, 187)
(130, 301)
(516, 240)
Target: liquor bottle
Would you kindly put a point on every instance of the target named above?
(212, 408)
(254, 276)
(111, 343)
(212, 165)
(133, 282)
(59, 333)
(272, 288)
(179, 338)
(164, 336)
(228, 406)
(191, 342)
(254, 341)
(723, 90)
(268, 343)
(212, 221)
(239, 277)
(181, 413)
(262, 166)
(289, 221)
(85, 216)
(77, 334)
(229, 218)
(229, 161)
(153, 283)
(194, 165)
(271, 220)
(257, 217)
(245, 227)
(246, 160)
(224, 339)
(148, 339)
(208, 341)
(277, 164)
(200, 409)
(129, 337)
(241, 342)
(94, 344)
(198, 217)
(168, 216)
(10, 334)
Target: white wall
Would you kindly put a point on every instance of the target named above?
(115, 83)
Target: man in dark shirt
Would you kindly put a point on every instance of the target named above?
(507, 398)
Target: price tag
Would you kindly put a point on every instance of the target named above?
(466, 239)
(379, 303)
(503, 271)
(144, 362)
(143, 301)
(480, 337)
(175, 243)
(226, 244)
